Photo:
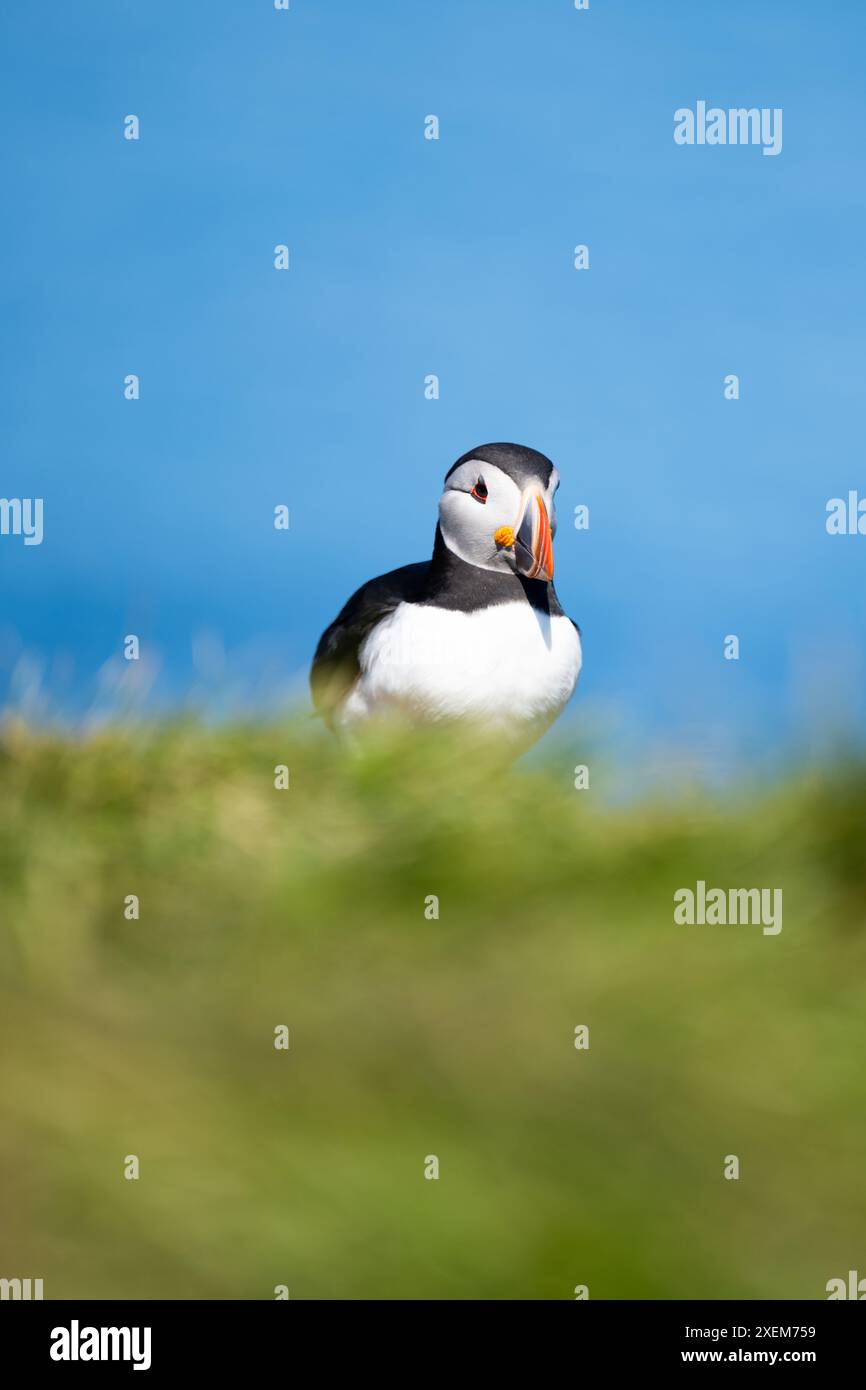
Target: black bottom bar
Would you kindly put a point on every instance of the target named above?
(221, 1338)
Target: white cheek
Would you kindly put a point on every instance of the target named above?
(469, 533)
(468, 526)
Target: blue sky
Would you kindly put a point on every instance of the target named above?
(452, 257)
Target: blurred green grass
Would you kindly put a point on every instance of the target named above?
(412, 1037)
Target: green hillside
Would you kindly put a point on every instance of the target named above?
(412, 1036)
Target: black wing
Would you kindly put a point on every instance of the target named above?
(335, 666)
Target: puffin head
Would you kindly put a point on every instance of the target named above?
(497, 511)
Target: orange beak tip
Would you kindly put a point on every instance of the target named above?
(544, 544)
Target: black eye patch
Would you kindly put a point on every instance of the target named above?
(479, 492)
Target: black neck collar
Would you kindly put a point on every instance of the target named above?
(453, 583)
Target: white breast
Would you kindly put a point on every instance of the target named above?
(508, 663)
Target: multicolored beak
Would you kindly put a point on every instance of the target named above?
(533, 542)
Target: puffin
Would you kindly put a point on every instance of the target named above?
(476, 633)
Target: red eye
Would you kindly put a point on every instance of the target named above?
(479, 492)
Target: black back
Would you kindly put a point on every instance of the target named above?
(335, 665)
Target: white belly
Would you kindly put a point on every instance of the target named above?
(506, 664)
